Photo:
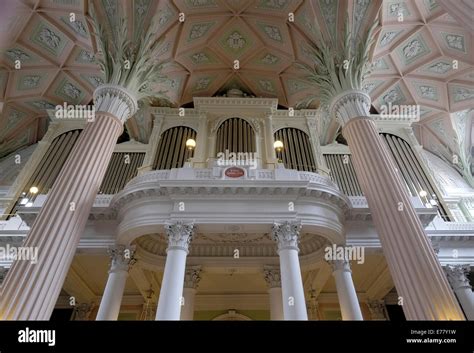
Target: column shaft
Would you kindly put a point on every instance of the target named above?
(112, 299)
(169, 303)
(294, 305)
(187, 312)
(350, 308)
(121, 260)
(30, 291)
(287, 236)
(191, 281)
(171, 294)
(415, 269)
(457, 277)
(276, 307)
(273, 279)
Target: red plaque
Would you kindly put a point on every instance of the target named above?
(234, 172)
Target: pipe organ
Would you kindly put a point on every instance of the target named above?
(412, 171)
(297, 151)
(343, 173)
(122, 168)
(51, 164)
(235, 135)
(48, 169)
(172, 151)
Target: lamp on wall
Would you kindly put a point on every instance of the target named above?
(190, 144)
(34, 190)
(278, 146)
(423, 195)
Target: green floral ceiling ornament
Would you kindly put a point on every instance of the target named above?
(134, 66)
(338, 68)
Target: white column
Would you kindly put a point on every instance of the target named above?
(169, 302)
(457, 277)
(121, 261)
(415, 269)
(313, 129)
(269, 141)
(273, 279)
(346, 293)
(294, 305)
(200, 153)
(153, 142)
(31, 289)
(191, 281)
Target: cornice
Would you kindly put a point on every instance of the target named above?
(210, 103)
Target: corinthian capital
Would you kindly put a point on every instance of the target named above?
(350, 104)
(272, 276)
(179, 235)
(192, 277)
(115, 100)
(340, 265)
(286, 234)
(121, 257)
(457, 276)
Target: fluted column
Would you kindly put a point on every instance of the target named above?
(191, 281)
(457, 277)
(121, 260)
(415, 270)
(273, 279)
(350, 308)
(294, 306)
(171, 294)
(31, 290)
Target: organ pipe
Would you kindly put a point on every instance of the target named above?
(297, 152)
(235, 135)
(172, 150)
(122, 168)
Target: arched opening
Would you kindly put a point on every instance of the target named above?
(235, 135)
(297, 152)
(172, 151)
(48, 168)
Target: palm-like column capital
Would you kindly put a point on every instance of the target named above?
(340, 69)
(129, 68)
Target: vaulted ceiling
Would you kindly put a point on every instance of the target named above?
(414, 56)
